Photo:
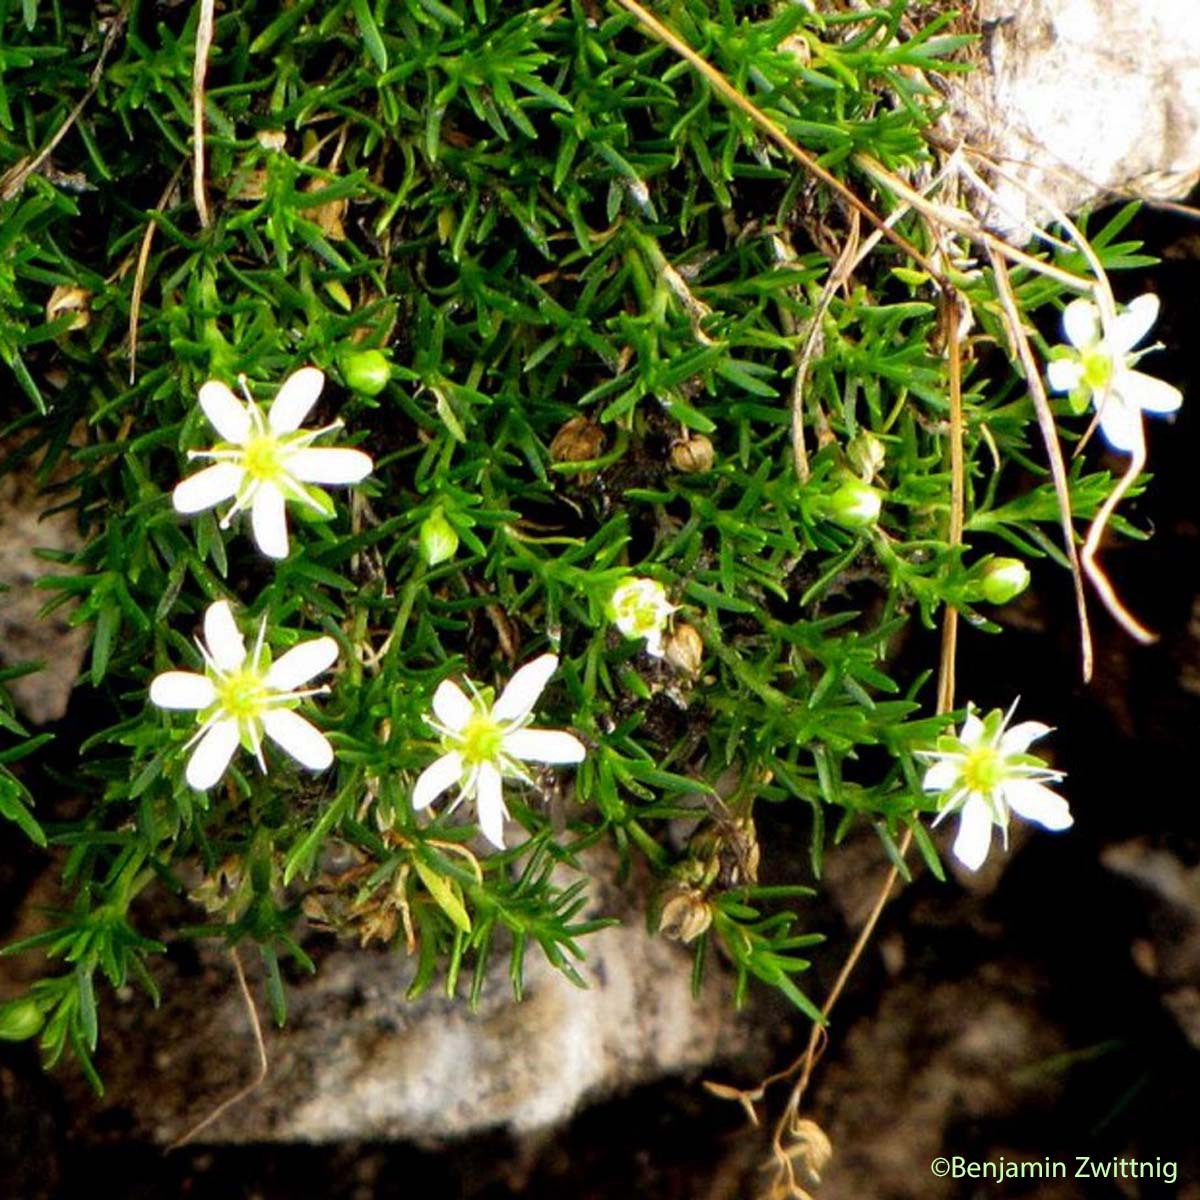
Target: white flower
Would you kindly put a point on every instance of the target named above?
(240, 697)
(985, 774)
(264, 462)
(1100, 370)
(486, 743)
(640, 609)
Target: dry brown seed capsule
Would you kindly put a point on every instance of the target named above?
(810, 1148)
(70, 299)
(579, 440)
(692, 455)
(685, 916)
(250, 185)
(866, 454)
(329, 215)
(685, 649)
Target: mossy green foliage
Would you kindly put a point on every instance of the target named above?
(535, 213)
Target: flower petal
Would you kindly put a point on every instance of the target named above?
(1121, 424)
(451, 706)
(1133, 324)
(972, 730)
(295, 399)
(326, 465)
(212, 755)
(942, 776)
(1019, 738)
(489, 805)
(1152, 395)
(300, 738)
(518, 698)
(302, 663)
(974, 837)
(208, 487)
(225, 412)
(441, 774)
(1081, 323)
(544, 746)
(1064, 374)
(222, 637)
(182, 690)
(269, 520)
(1036, 802)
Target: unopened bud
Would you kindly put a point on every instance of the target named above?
(685, 915)
(579, 440)
(439, 539)
(685, 649)
(854, 504)
(20, 1020)
(366, 371)
(692, 455)
(1004, 579)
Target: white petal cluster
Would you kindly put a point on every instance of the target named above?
(263, 462)
(1098, 369)
(984, 774)
(242, 697)
(486, 743)
(640, 609)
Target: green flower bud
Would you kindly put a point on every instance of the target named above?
(439, 539)
(1004, 579)
(20, 1019)
(366, 371)
(854, 504)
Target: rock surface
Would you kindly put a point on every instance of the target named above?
(359, 1061)
(24, 635)
(1082, 101)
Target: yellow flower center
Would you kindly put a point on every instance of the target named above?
(242, 695)
(642, 616)
(481, 739)
(983, 770)
(261, 457)
(640, 608)
(1097, 369)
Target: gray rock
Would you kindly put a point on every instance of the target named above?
(24, 635)
(358, 1061)
(1083, 101)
